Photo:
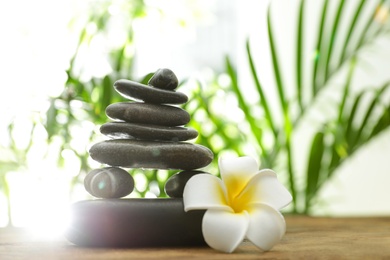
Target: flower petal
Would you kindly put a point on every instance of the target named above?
(236, 173)
(223, 230)
(204, 191)
(265, 188)
(266, 226)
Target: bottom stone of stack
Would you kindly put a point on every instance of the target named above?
(135, 223)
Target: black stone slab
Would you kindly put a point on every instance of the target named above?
(123, 130)
(134, 223)
(109, 182)
(174, 186)
(134, 90)
(164, 79)
(145, 113)
(151, 154)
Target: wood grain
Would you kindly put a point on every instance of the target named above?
(306, 238)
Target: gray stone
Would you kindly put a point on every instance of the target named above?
(145, 113)
(109, 182)
(151, 154)
(164, 79)
(174, 187)
(134, 90)
(135, 223)
(123, 130)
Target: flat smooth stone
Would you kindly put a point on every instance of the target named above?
(145, 113)
(134, 90)
(174, 186)
(151, 154)
(123, 130)
(164, 79)
(109, 182)
(135, 223)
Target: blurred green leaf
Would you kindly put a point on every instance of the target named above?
(257, 132)
(333, 35)
(351, 30)
(349, 132)
(276, 67)
(370, 24)
(346, 90)
(319, 49)
(259, 88)
(106, 97)
(51, 122)
(314, 167)
(299, 53)
(382, 123)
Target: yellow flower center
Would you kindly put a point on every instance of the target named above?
(241, 201)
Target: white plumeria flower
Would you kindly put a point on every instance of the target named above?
(244, 204)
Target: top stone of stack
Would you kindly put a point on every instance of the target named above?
(164, 79)
(160, 89)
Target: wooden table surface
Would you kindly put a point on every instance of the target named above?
(306, 238)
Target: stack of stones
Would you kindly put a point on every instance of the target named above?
(146, 133)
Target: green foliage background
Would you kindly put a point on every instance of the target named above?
(333, 142)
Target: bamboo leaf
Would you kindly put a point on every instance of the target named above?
(257, 132)
(346, 89)
(314, 167)
(106, 94)
(352, 113)
(120, 56)
(369, 24)
(291, 174)
(382, 123)
(147, 77)
(374, 103)
(351, 29)
(334, 161)
(275, 64)
(259, 87)
(51, 121)
(284, 105)
(219, 124)
(318, 54)
(299, 56)
(333, 37)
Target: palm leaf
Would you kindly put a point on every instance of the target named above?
(299, 56)
(257, 132)
(382, 123)
(276, 67)
(332, 38)
(284, 105)
(351, 30)
(325, 65)
(352, 114)
(362, 34)
(346, 90)
(319, 48)
(259, 88)
(370, 24)
(364, 125)
(314, 167)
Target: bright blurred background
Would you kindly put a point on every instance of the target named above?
(59, 60)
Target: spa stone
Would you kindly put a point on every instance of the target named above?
(164, 79)
(123, 130)
(151, 154)
(146, 113)
(134, 90)
(134, 223)
(174, 187)
(109, 182)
